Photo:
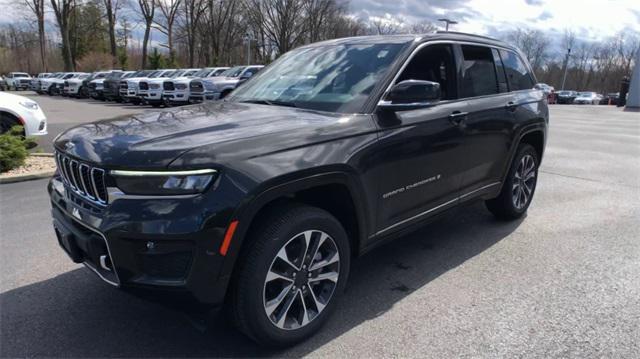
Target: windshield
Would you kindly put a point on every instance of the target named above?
(233, 72)
(175, 74)
(336, 78)
(68, 76)
(585, 94)
(20, 75)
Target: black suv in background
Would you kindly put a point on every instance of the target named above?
(259, 202)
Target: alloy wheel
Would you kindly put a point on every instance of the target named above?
(301, 279)
(524, 181)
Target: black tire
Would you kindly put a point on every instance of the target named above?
(7, 121)
(225, 93)
(506, 206)
(275, 231)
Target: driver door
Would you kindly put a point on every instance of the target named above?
(419, 157)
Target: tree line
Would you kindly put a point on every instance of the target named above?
(86, 35)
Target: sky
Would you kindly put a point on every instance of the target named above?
(591, 20)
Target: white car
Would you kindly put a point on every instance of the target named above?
(20, 110)
(588, 97)
(177, 91)
(219, 87)
(153, 85)
(18, 80)
(34, 85)
(155, 92)
(72, 86)
(131, 92)
(55, 84)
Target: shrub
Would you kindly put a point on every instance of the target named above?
(13, 149)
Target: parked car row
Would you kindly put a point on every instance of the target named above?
(167, 87)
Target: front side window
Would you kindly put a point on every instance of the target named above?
(233, 72)
(335, 78)
(434, 63)
(479, 76)
(517, 73)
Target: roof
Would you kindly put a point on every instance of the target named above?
(417, 38)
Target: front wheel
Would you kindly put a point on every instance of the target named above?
(293, 272)
(519, 186)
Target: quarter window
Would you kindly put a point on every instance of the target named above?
(479, 72)
(517, 73)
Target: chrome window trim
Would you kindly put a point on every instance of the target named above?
(382, 102)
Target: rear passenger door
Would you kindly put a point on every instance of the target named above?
(488, 125)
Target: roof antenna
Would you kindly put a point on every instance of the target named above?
(447, 22)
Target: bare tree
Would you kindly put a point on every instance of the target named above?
(284, 22)
(112, 7)
(165, 24)
(37, 7)
(147, 9)
(533, 43)
(63, 9)
(193, 11)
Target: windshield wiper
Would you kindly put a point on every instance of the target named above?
(272, 102)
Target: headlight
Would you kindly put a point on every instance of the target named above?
(29, 104)
(154, 86)
(163, 183)
(181, 86)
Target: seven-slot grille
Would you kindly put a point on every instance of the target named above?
(168, 85)
(85, 180)
(196, 86)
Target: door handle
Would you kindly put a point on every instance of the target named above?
(456, 117)
(511, 106)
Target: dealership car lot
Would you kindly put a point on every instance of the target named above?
(561, 282)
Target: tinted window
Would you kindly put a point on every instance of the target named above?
(434, 63)
(517, 73)
(336, 78)
(478, 72)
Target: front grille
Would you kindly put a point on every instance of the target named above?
(66, 84)
(24, 82)
(92, 85)
(143, 86)
(168, 86)
(124, 85)
(196, 86)
(87, 181)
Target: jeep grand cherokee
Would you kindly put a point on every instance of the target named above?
(259, 202)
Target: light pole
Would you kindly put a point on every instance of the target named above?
(248, 39)
(447, 22)
(566, 66)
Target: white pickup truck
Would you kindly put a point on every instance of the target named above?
(18, 80)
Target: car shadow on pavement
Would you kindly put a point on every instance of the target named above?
(76, 315)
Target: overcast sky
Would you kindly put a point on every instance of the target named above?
(589, 19)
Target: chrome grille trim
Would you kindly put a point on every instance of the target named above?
(83, 179)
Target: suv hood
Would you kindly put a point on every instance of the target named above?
(218, 132)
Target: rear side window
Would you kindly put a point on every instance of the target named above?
(478, 72)
(517, 73)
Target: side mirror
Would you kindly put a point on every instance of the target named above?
(413, 93)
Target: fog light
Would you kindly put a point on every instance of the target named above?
(151, 245)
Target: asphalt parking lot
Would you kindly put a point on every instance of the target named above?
(562, 282)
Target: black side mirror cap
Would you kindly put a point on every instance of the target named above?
(413, 92)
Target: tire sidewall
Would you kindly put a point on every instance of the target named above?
(523, 150)
(255, 286)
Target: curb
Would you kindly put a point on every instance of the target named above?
(29, 176)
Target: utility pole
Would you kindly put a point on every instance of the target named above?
(248, 39)
(447, 22)
(566, 66)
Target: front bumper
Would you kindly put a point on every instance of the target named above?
(176, 96)
(153, 96)
(204, 96)
(155, 243)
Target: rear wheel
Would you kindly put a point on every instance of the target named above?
(293, 272)
(519, 187)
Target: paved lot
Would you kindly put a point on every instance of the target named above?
(63, 112)
(562, 282)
